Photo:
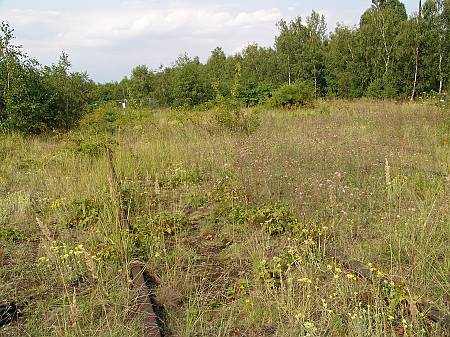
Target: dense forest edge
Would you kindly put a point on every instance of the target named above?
(389, 55)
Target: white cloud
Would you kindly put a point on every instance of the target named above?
(159, 33)
(109, 27)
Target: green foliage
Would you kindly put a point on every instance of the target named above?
(276, 219)
(146, 231)
(388, 55)
(255, 94)
(13, 235)
(378, 59)
(90, 145)
(83, 214)
(236, 119)
(179, 176)
(98, 129)
(189, 83)
(294, 95)
(273, 273)
(382, 88)
(35, 99)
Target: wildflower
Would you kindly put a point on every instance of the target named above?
(308, 325)
(306, 280)
(391, 318)
(351, 277)
(299, 316)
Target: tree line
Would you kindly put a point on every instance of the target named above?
(387, 55)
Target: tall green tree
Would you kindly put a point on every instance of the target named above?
(141, 83)
(303, 50)
(380, 29)
(343, 64)
(190, 84)
(436, 17)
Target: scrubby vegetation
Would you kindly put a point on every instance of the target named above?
(232, 223)
(388, 55)
(231, 180)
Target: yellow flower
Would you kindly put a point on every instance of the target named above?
(351, 277)
(308, 325)
(391, 318)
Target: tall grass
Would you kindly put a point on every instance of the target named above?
(370, 178)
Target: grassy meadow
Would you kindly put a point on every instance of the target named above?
(231, 214)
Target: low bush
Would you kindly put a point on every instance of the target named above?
(293, 95)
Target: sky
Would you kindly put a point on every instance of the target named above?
(107, 38)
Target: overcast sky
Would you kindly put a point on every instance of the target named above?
(107, 38)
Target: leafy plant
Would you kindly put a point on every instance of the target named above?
(84, 213)
(255, 94)
(236, 119)
(146, 231)
(178, 176)
(12, 235)
(294, 95)
(276, 219)
(273, 272)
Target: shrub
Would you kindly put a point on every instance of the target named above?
(238, 120)
(276, 219)
(255, 94)
(83, 214)
(229, 114)
(293, 95)
(12, 235)
(382, 88)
